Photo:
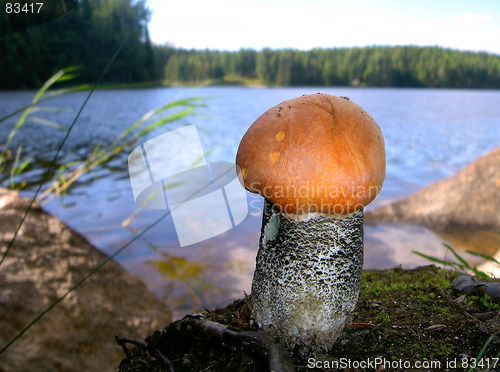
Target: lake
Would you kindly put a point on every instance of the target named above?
(429, 134)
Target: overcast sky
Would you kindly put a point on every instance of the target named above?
(233, 24)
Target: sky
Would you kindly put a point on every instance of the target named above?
(234, 24)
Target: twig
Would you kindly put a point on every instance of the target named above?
(123, 341)
(158, 355)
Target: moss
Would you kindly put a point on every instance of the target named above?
(382, 317)
(414, 315)
(382, 282)
(482, 304)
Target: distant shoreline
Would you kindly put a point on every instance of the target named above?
(242, 84)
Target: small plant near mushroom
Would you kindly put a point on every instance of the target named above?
(462, 265)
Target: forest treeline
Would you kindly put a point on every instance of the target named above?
(90, 34)
(87, 36)
(399, 66)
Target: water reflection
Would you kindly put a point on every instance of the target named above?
(481, 241)
(209, 275)
(185, 287)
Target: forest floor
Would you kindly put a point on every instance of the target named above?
(404, 320)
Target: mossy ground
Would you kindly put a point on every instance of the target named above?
(414, 315)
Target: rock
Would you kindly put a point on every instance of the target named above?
(471, 286)
(468, 199)
(47, 259)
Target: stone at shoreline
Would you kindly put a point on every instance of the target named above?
(46, 260)
(469, 199)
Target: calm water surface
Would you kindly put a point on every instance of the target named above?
(429, 134)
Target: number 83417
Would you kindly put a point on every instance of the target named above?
(17, 8)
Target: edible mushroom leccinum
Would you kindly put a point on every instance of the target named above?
(318, 160)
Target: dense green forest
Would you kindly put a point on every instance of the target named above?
(87, 36)
(400, 66)
(90, 34)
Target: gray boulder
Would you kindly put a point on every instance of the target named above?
(468, 199)
(46, 260)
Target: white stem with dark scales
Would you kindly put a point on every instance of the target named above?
(307, 278)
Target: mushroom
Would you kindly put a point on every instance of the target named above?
(318, 160)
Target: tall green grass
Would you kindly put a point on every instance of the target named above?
(10, 158)
(14, 163)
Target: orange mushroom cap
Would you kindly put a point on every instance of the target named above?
(314, 154)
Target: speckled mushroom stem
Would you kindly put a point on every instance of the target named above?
(307, 278)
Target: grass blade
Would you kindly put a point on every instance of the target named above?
(483, 350)
(458, 257)
(477, 272)
(187, 102)
(485, 256)
(437, 260)
(48, 123)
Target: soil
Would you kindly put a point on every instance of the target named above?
(404, 319)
